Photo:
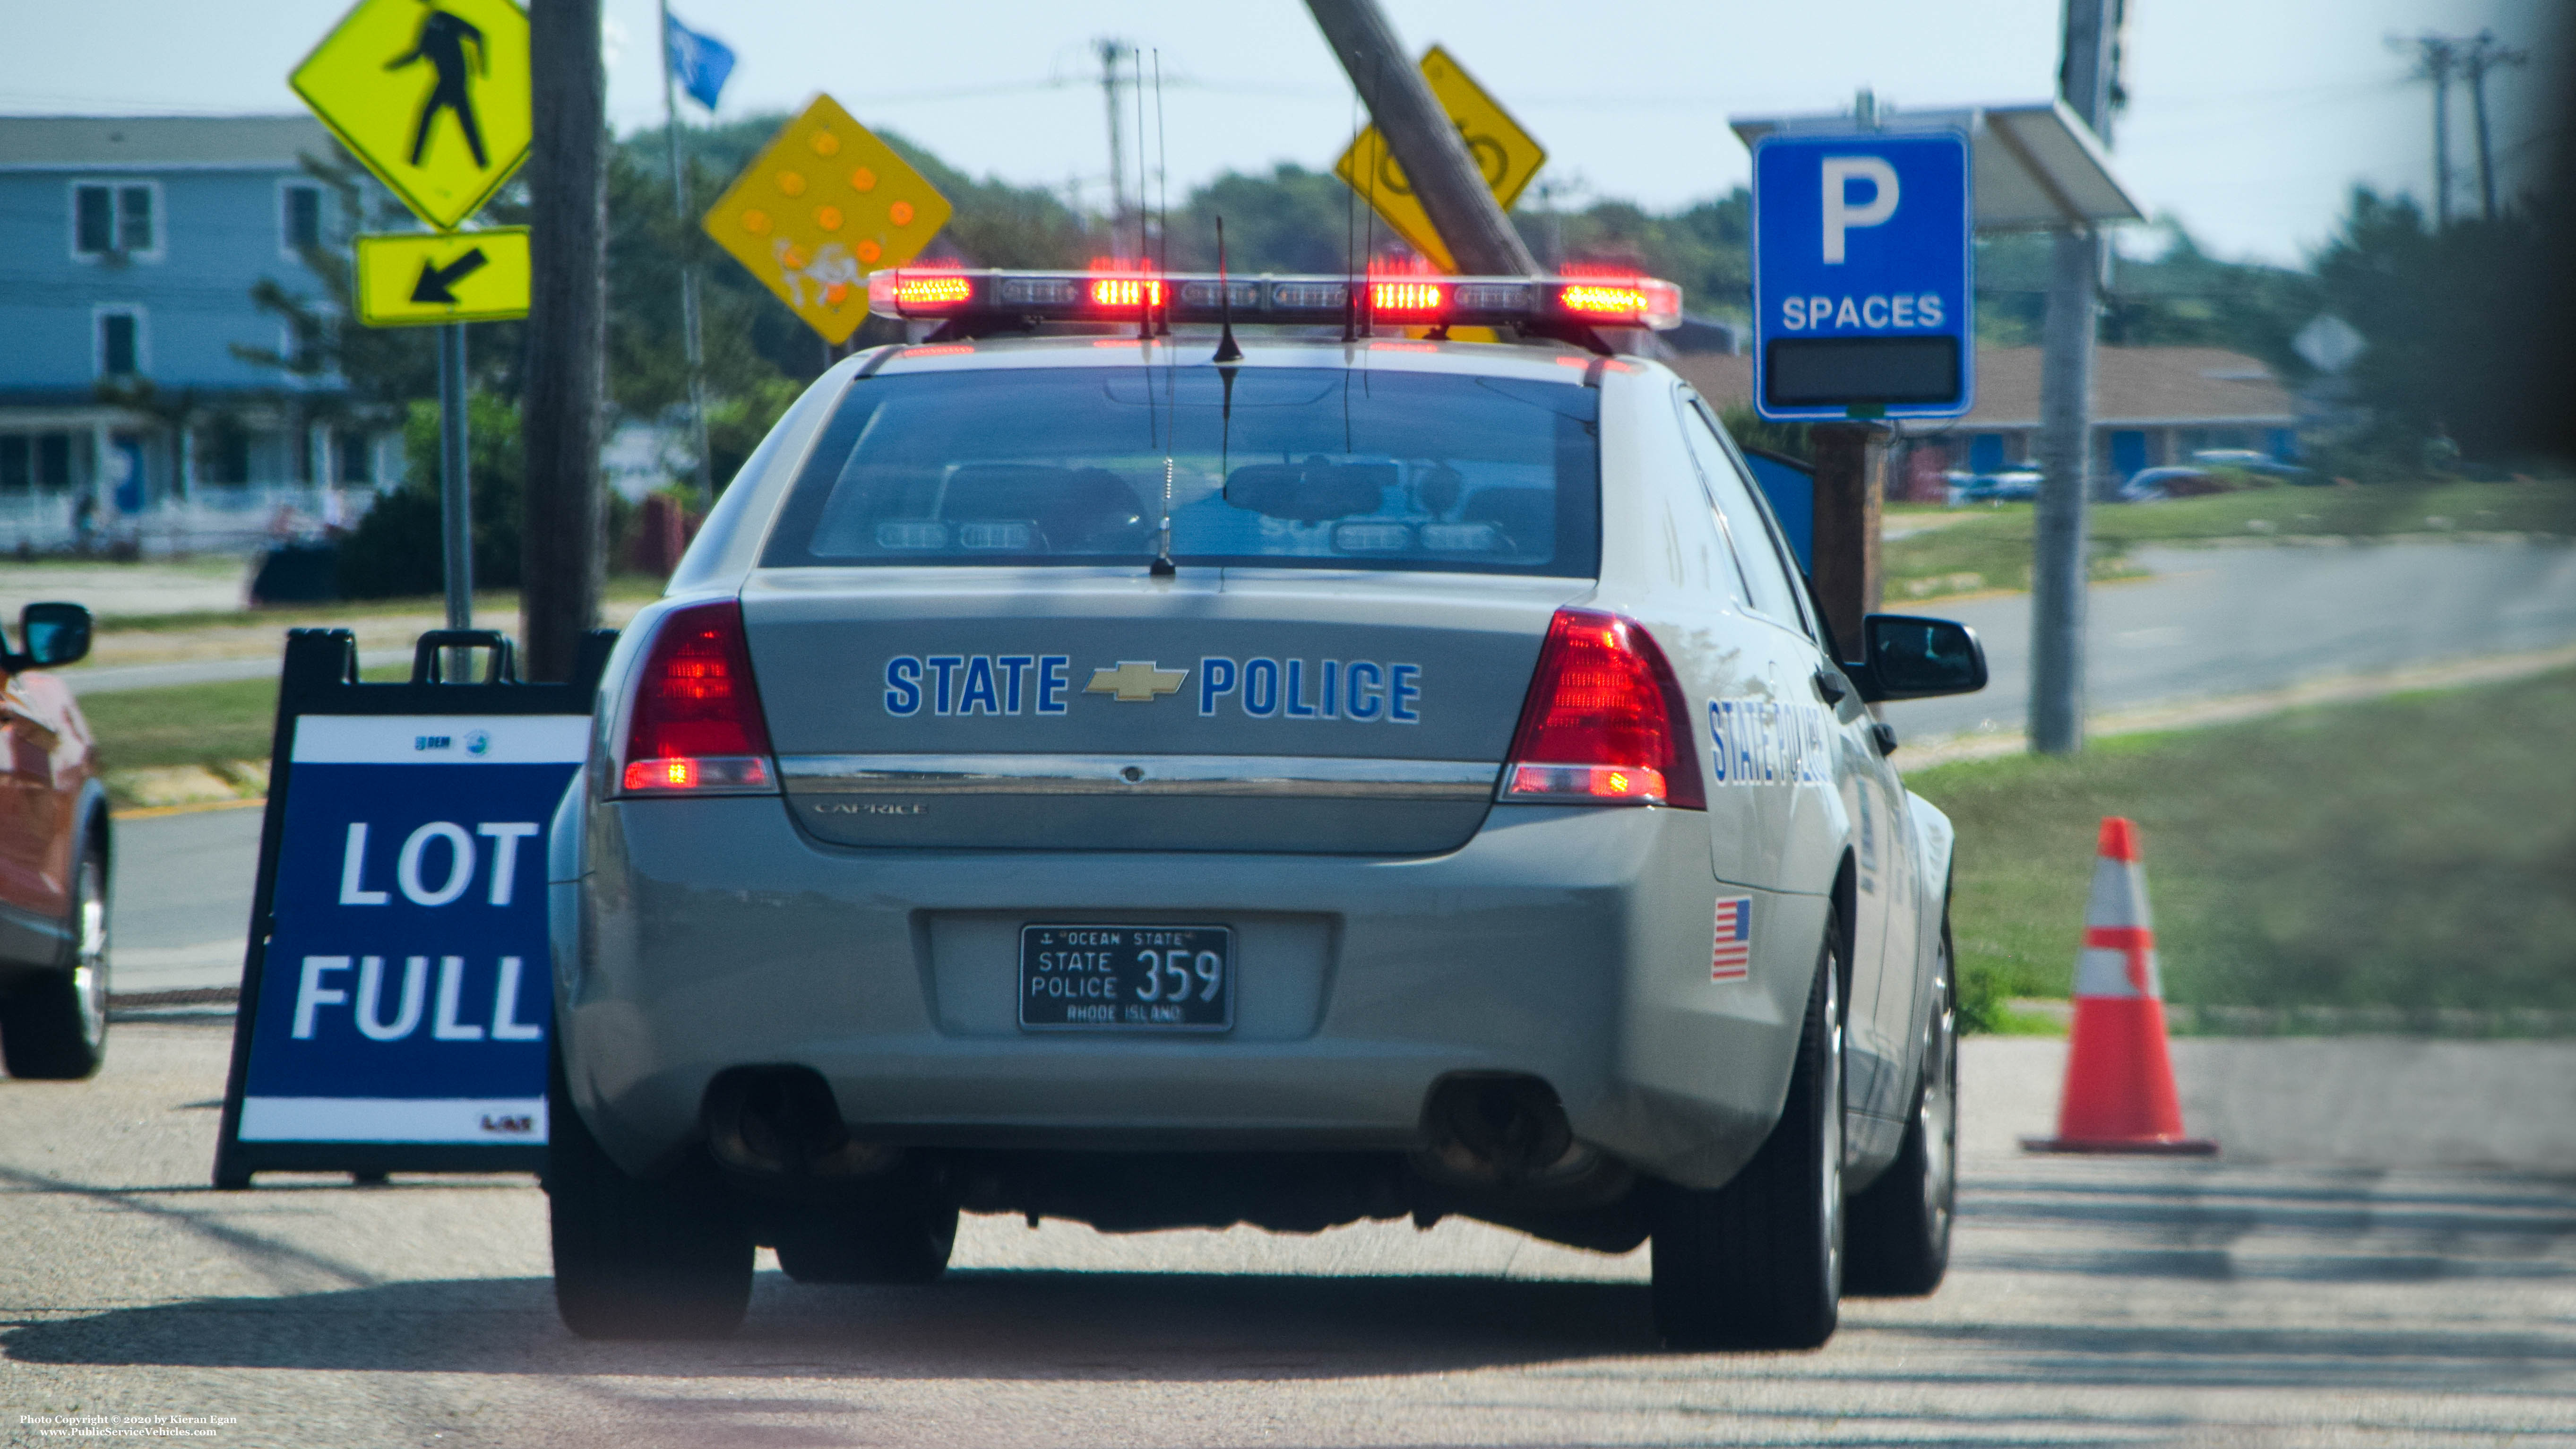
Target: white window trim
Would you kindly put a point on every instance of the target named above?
(98, 316)
(71, 218)
(322, 223)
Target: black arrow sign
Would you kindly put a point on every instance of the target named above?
(434, 281)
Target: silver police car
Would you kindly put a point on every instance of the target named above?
(1173, 781)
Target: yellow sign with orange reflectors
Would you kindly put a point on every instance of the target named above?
(1509, 157)
(824, 204)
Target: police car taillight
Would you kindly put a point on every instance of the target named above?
(1604, 723)
(696, 726)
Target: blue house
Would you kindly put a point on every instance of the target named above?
(128, 250)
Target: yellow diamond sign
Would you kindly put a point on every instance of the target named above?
(432, 95)
(1508, 155)
(823, 205)
(420, 278)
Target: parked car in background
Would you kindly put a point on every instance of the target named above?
(2264, 465)
(2148, 485)
(2019, 485)
(54, 853)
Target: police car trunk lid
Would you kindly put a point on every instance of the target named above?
(1065, 708)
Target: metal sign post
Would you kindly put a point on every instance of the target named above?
(396, 992)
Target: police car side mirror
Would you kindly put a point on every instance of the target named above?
(53, 634)
(1909, 658)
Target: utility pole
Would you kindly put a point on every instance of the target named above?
(1426, 143)
(2482, 55)
(2436, 56)
(562, 564)
(692, 349)
(2061, 544)
(1111, 52)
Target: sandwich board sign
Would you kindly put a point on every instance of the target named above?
(396, 992)
(1861, 288)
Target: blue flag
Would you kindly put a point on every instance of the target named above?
(700, 63)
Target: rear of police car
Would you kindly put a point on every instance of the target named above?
(1077, 777)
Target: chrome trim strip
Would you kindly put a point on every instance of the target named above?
(1261, 776)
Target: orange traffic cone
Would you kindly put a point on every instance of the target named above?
(2119, 1073)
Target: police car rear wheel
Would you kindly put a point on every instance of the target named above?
(636, 1259)
(897, 1242)
(54, 1027)
(1900, 1227)
(1758, 1263)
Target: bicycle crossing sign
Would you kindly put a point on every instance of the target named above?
(1508, 156)
(432, 95)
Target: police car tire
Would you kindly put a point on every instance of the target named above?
(665, 1258)
(1757, 1264)
(53, 1027)
(1900, 1227)
(905, 1242)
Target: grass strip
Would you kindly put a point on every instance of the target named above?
(192, 724)
(1991, 550)
(2415, 852)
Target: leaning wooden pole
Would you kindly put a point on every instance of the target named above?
(564, 546)
(1425, 141)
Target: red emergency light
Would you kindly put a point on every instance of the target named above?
(976, 302)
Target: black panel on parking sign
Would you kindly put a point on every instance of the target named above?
(1811, 371)
(1126, 978)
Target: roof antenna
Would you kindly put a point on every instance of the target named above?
(1162, 567)
(1226, 350)
(1350, 229)
(1368, 254)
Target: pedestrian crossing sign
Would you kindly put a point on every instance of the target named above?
(432, 95)
(824, 204)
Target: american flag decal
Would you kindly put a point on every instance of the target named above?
(1732, 957)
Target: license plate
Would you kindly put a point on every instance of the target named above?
(1126, 978)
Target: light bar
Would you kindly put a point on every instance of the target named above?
(1529, 303)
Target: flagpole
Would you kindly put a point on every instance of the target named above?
(688, 272)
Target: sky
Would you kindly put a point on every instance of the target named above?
(2249, 120)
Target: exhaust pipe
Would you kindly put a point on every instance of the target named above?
(1500, 1132)
(782, 1123)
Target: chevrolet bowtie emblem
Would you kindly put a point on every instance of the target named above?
(1135, 681)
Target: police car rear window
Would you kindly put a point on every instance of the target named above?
(1273, 468)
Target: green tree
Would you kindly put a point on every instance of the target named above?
(395, 549)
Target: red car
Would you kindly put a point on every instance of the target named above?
(53, 858)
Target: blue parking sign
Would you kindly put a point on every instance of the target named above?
(1862, 300)
(395, 1002)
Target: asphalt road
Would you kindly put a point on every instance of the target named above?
(2379, 1299)
(2221, 621)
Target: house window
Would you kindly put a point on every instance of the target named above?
(356, 462)
(35, 460)
(115, 219)
(302, 217)
(120, 342)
